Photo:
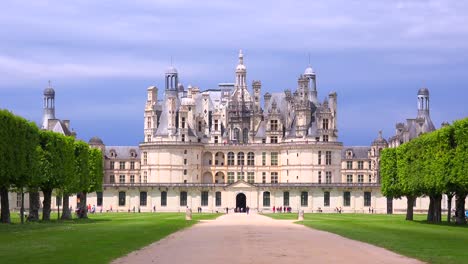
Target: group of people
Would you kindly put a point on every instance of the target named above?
(282, 209)
(338, 210)
(199, 209)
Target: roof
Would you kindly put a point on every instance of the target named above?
(122, 152)
(359, 152)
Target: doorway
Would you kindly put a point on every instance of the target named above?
(241, 202)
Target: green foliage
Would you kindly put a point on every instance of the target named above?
(82, 165)
(388, 173)
(96, 170)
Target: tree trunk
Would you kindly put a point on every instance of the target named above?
(83, 213)
(22, 206)
(46, 204)
(430, 210)
(66, 214)
(449, 207)
(409, 207)
(460, 208)
(5, 214)
(34, 205)
(438, 208)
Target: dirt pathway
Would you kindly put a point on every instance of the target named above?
(240, 238)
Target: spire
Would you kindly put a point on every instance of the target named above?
(241, 58)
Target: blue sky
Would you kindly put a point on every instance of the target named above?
(102, 55)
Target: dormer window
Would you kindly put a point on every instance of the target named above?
(113, 154)
(349, 154)
(133, 153)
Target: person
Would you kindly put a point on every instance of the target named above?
(274, 209)
(200, 209)
(369, 210)
(247, 210)
(154, 208)
(139, 209)
(372, 210)
(227, 210)
(111, 208)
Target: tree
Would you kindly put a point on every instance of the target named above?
(83, 176)
(460, 168)
(69, 177)
(389, 175)
(7, 168)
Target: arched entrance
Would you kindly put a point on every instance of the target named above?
(241, 202)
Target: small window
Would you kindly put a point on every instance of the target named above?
(121, 198)
(218, 198)
(349, 178)
(286, 198)
(204, 198)
(122, 165)
(328, 177)
(240, 158)
(263, 177)
(132, 178)
(122, 179)
(360, 165)
(274, 125)
(360, 178)
(263, 158)
(183, 198)
(346, 199)
(326, 199)
(230, 157)
(145, 158)
(274, 158)
(112, 179)
(304, 199)
(132, 165)
(112, 165)
(250, 159)
(250, 177)
(143, 198)
(367, 198)
(163, 198)
(230, 177)
(274, 177)
(274, 139)
(266, 199)
(240, 176)
(349, 165)
(328, 158)
(319, 158)
(99, 198)
(319, 177)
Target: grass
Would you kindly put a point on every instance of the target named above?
(442, 243)
(100, 239)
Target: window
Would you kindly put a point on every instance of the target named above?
(112, 179)
(274, 177)
(204, 198)
(274, 158)
(216, 125)
(145, 158)
(199, 126)
(325, 138)
(240, 176)
(250, 159)
(183, 122)
(263, 158)
(143, 198)
(274, 125)
(263, 177)
(121, 198)
(319, 161)
(319, 177)
(370, 165)
(132, 165)
(370, 178)
(326, 199)
(183, 138)
(132, 178)
(183, 198)
(349, 178)
(304, 199)
(286, 198)
(367, 199)
(360, 165)
(230, 177)
(112, 165)
(250, 177)
(266, 199)
(230, 160)
(216, 140)
(325, 123)
(346, 199)
(145, 177)
(58, 200)
(328, 177)
(163, 198)
(185, 161)
(185, 171)
(122, 165)
(328, 158)
(148, 138)
(274, 139)
(122, 179)
(148, 122)
(360, 178)
(218, 198)
(349, 165)
(240, 158)
(99, 198)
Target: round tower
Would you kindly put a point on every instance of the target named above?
(172, 79)
(423, 102)
(49, 106)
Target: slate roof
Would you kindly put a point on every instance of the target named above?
(359, 152)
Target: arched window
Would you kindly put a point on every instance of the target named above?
(236, 134)
(250, 159)
(266, 199)
(230, 157)
(240, 158)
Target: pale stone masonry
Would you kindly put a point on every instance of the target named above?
(222, 148)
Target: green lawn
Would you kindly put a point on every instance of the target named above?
(442, 243)
(98, 240)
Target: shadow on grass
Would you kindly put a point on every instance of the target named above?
(443, 223)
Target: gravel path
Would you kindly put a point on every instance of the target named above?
(240, 238)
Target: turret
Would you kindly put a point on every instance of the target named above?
(257, 86)
(423, 102)
(49, 106)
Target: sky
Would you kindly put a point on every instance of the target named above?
(101, 56)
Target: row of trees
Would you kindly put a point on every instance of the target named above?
(33, 160)
(431, 165)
